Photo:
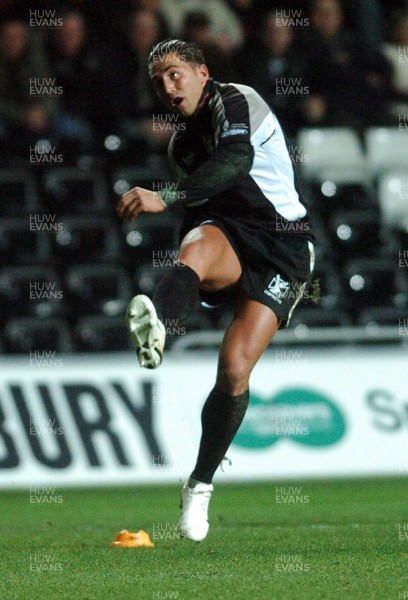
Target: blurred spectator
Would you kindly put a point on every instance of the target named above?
(148, 4)
(397, 53)
(247, 14)
(24, 110)
(369, 16)
(349, 81)
(108, 16)
(156, 7)
(197, 28)
(86, 71)
(144, 29)
(255, 10)
(272, 63)
(391, 6)
(5, 5)
(226, 28)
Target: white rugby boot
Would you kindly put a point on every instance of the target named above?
(193, 523)
(147, 331)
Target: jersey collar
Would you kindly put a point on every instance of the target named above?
(204, 98)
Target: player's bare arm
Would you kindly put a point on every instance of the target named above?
(139, 200)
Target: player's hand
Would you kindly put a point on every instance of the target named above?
(138, 200)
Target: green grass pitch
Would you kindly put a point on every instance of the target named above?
(326, 540)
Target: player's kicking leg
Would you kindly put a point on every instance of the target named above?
(206, 260)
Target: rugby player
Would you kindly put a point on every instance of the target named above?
(245, 234)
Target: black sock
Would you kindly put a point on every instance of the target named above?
(221, 417)
(176, 296)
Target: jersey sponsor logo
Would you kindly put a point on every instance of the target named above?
(237, 131)
(277, 289)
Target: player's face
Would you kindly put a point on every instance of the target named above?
(179, 84)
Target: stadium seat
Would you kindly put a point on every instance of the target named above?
(98, 289)
(125, 148)
(30, 290)
(85, 239)
(323, 246)
(124, 180)
(341, 176)
(73, 191)
(20, 244)
(326, 289)
(356, 234)
(18, 192)
(400, 244)
(387, 148)
(147, 277)
(320, 317)
(324, 148)
(374, 282)
(22, 335)
(393, 198)
(100, 333)
(331, 194)
(383, 315)
(151, 238)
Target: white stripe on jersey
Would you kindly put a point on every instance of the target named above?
(272, 168)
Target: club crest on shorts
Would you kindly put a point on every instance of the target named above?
(277, 288)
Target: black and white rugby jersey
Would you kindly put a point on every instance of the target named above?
(232, 155)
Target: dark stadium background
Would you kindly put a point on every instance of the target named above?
(103, 132)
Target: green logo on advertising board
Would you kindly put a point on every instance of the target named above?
(303, 416)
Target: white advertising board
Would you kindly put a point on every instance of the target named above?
(101, 420)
